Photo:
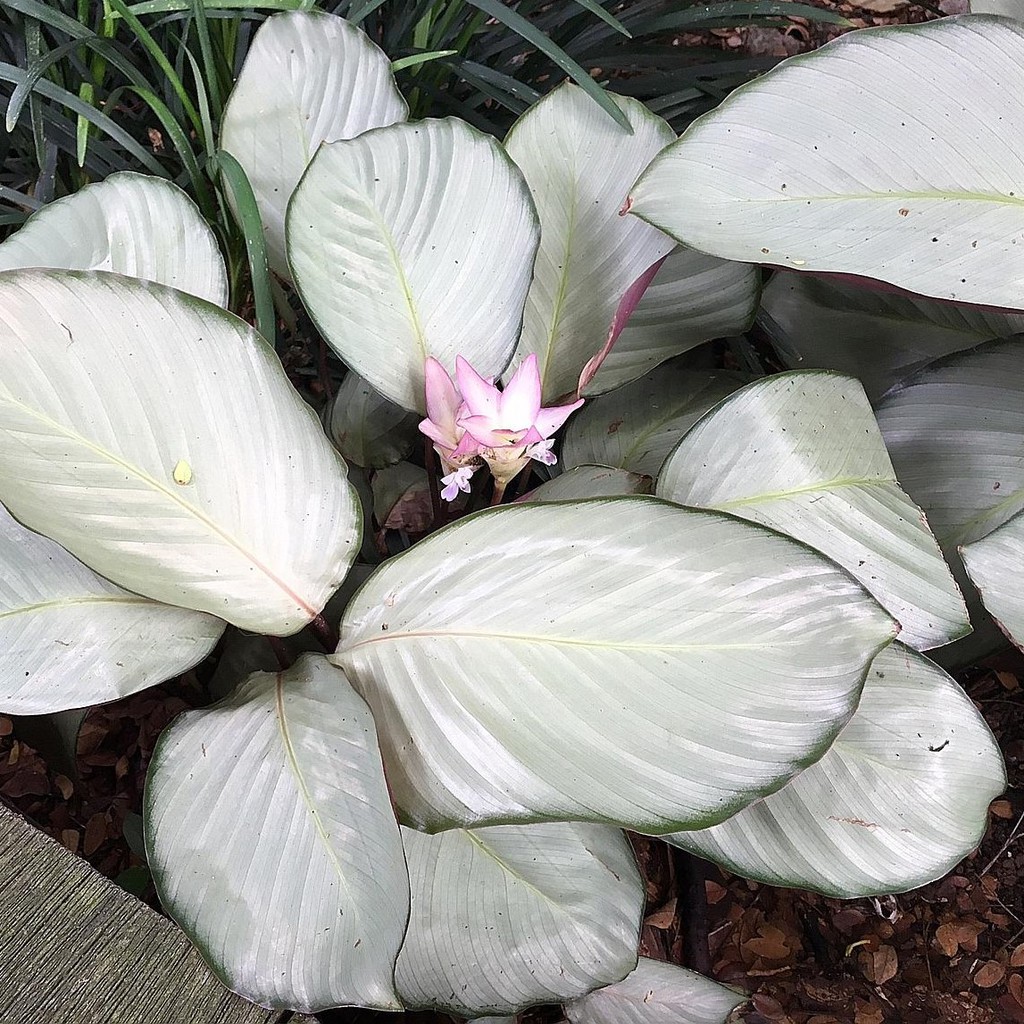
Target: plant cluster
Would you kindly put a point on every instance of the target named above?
(706, 623)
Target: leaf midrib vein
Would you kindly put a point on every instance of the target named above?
(558, 306)
(971, 197)
(825, 485)
(175, 499)
(561, 641)
(403, 280)
(68, 602)
(957, 536)
(507, 868)
(304, 793)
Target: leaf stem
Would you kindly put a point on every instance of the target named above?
(280, 652)
(430, 461)
(325, 633)
(690, 873)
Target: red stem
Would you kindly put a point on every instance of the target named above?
(325, 633)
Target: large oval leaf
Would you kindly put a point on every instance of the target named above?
(692, 299)
(69, 638)
(272, 842)
(891, 154)
(308, 78)
(157, 438)
(401, 498)
(877, 336)
(801, 452)
(900, 798)
(509, 916)
(1008, 8)
(579, 165)
(590, 482)
(954, 431)
(412, 241)
(637, 426)
(619, 660)
(368, 429)
(130, 223)
(656, 993)
(994, 563)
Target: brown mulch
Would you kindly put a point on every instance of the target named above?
(798, 35)
(87, 814)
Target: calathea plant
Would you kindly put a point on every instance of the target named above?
(426, 810)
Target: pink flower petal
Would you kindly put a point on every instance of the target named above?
(481, 398)
(550, 419)
(457, 481)
(520, 401)
(436, 434)
(488, 433)
(468, 445)
(443, 400)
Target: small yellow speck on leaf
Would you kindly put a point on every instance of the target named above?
(182, 472)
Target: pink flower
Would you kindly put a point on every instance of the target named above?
(475, 423)
(457, 481)
(444, 406)
(510, 418)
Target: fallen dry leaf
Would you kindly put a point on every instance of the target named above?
(64, 785)
(1015, 986)
(946, 940)
(967, 933)
(868, 1013)
(848, 920)
(664, 917)
(880, 966)
(1011, 1011)
(95, 833)
(768, 1007)
(715, 892)
(989, 974)
(1008, 681)
(882, 6)
(1000, 809)
(770, 944)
